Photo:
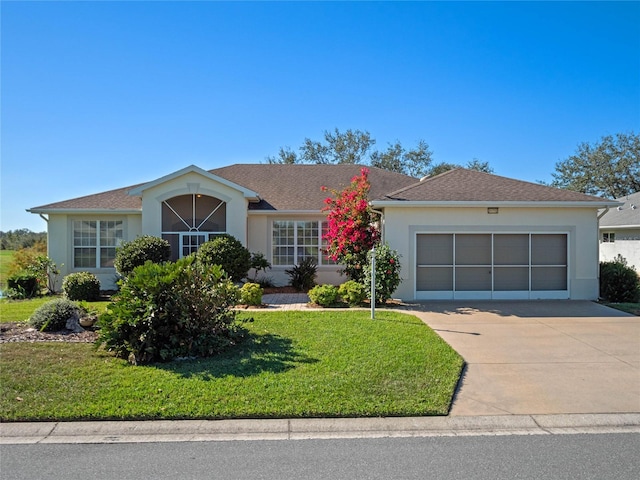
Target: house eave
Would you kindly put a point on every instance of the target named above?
(84, 211)
(618, 227)
(285, 212)
(484, 204)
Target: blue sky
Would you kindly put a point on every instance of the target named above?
(101, 95)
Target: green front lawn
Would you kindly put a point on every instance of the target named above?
(293, 364)
(6, 256)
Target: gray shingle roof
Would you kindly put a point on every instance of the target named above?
(462, 185)
(298, 187)
(624, 215)
(281, 187)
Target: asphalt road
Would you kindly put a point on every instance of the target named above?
(592, 456)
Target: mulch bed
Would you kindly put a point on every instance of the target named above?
(22, 332)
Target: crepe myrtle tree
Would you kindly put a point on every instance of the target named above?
(352, 225)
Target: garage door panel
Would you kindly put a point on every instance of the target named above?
(473, 279)
(435, 249)
(435, 279)
(549, 249)
(511, 249)
(548, 278)
(511, 278)
(473, 249)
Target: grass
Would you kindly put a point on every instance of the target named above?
(632, 308)
(292, 364)
(5, 259)
(21, 310)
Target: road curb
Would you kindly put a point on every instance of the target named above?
(313, 428)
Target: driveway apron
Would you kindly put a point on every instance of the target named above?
(541, 357)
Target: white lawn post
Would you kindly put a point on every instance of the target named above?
(373, 283)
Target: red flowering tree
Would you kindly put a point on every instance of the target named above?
(352, 229)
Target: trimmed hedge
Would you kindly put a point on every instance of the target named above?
(139, 251)
(81, 286)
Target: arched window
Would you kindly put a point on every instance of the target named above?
(190, 220)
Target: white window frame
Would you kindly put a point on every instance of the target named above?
(295, 243)
(97, 244)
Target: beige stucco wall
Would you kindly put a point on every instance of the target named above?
(402, 224)
(189, 183)
(627, 244)
(60, 243)
(259, 240)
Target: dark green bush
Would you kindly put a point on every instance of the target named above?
(302, 276)
(259, 263)
(170, 310)
(81, 286)
(324, 295)
(619, 282)
(53, 315)
(352, 292)
(24, 285)
(136, 252)
(251, 294)
(228, 252)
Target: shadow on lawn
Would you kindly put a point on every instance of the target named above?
(254, 355)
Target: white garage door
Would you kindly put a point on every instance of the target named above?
(491, 266)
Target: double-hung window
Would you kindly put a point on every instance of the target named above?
(95, 242)
(296, 240)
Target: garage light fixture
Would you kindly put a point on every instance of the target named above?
(492, 210)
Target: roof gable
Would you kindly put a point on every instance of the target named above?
(471, 186)
(193, 169)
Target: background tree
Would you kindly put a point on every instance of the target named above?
(22, 238)
(610, 167)
(357, 147)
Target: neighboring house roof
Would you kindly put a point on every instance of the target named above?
(279, 187)
(462, 186)
(626, 215)
(298, 187)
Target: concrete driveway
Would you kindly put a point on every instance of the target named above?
(541, 357)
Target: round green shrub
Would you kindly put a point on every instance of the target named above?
(619, 282)
(24, 285)
(228, 252)
(251, 294)
(81, 286)
(352, 292)
(324, 295)
(169, 310)
(136, 252)
(53, 315)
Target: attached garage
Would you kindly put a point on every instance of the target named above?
(471, 235)
(491, 266)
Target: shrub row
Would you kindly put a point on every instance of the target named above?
(351, 292)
